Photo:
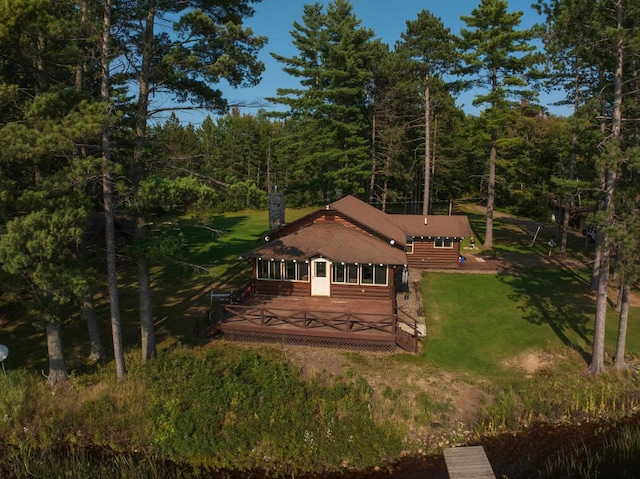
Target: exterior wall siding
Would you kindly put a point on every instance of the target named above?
(339, 290)
(427, 256)
(283, 288)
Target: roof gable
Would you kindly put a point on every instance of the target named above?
(370, 217)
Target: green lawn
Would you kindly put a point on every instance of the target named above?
(477, 322)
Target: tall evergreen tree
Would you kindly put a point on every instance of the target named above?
(107, 194)
(499, 59)
(567, 36)
(432, 48)
(331, 108)
(44, 206)
(209, 44)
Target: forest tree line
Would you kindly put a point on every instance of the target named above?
(79, 136)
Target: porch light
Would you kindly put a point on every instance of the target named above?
(392, 242)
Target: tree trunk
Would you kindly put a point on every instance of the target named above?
(144, 276)
(385, 183)
(107, 193)
(491, 192)
(597, 355)
(572, 168)
(89, 315)
(372, 179)
(619, 362)
(57, 364)
(147, 331)
(426, 206)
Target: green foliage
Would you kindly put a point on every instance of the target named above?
(244, 411)
(329, 131)
(244, 195)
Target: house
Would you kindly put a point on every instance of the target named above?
(330, 278)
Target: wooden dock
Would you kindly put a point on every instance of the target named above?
(468, 463)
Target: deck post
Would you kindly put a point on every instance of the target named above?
(261, 316)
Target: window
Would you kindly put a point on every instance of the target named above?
(321, 269)
(345, 273)
(352, 273)
(443, 243)
(409, 248)
(366, 273)
(380, 274)
(269, 269)
(295, 271)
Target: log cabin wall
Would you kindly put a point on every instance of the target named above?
(271, 287)
(426, 256)
(362, 291)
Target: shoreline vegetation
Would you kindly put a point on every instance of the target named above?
(500, 367)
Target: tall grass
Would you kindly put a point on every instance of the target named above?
(614, 455)
(215, 408)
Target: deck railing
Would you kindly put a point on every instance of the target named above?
(306, 319)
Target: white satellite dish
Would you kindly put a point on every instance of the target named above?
(4, 352)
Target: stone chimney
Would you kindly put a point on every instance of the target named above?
(276, 210)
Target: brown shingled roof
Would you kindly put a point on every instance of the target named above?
(371, 217)
(398, 227)
(455, 226)
(333, 241)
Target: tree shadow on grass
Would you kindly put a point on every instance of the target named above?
(558, 299)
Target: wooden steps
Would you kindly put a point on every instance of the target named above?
(469, 462)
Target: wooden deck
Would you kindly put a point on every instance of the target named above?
(316, 321)
(468, 463)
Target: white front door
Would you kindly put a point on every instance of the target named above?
(320, 280)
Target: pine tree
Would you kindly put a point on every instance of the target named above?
(432, 48)
(45, 207)
(209, 44)
(500, 59)
(332, 109)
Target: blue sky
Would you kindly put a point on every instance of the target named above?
(387, 18)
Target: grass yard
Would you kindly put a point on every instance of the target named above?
(477, 323)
